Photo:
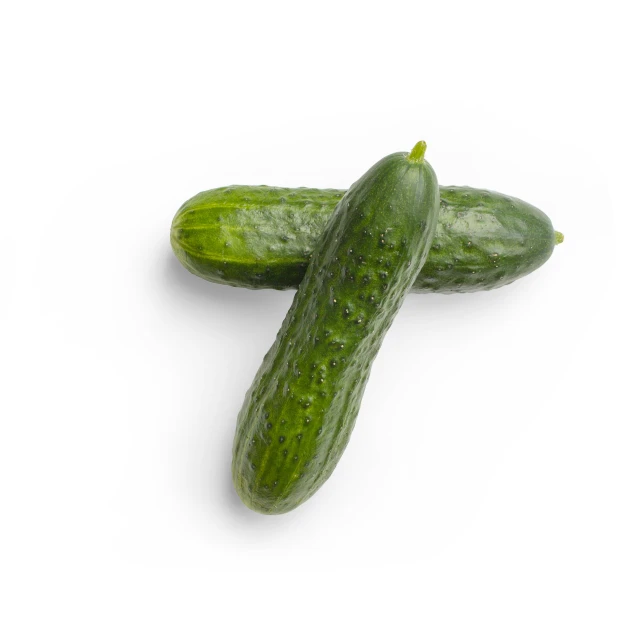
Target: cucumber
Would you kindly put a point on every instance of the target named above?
(263, 237)
(299, 413)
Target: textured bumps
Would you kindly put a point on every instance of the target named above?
(263, 237)
(299, 413)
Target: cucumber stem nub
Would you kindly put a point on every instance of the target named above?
(417, 153)
(559, 237)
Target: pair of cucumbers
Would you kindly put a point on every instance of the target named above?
(354, 257)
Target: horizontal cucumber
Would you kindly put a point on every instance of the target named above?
(263, 237)
(299, 413)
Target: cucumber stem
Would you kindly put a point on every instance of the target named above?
(417, 153)
(559, 237)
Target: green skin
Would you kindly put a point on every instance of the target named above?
(263, 237)
(299, 413)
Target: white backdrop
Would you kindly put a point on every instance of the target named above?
(490, 489)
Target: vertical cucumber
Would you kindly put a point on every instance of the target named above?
(301, 408)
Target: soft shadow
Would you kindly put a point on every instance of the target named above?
(182, 284)
(456, 308)
(244, 315)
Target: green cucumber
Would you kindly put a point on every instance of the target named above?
(263, 237)
(299, 413)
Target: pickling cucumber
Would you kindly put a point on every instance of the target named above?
(263, 237)
(301, 408)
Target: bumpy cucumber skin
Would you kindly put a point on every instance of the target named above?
(254, 237)
(263, 237)
(484, 240)
(299, 413)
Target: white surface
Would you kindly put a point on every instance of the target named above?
(491, 486)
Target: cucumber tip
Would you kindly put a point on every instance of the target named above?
(417, 153)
